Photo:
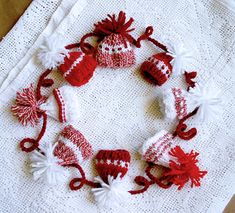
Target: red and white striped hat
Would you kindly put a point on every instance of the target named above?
(72, 147)
(115, 52)
(176, 103)
(62, 105)
(157, 69)
(78, 68)
(156, 149)
(112, 163)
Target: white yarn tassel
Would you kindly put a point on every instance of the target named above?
(46, 167)
(208, 98)
(112, 194)
(181, 58)
(52, 52)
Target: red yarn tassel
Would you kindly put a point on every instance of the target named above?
(185, 168)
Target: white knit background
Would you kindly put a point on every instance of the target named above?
(119, 109)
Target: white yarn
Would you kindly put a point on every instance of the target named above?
(46, 167)
(181, 58)
(208, 98)
(112, 194)
(51, 54)
(72, 104)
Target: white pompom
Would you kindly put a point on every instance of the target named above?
(52, 53)
(112, 194)
(181, 58)
(46, 166)
(208, 98)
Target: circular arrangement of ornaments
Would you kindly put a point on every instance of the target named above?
(115, 48)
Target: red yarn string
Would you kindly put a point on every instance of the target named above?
(141, 181)
(41, 82)
(181, 127)
(84, 45)
(159, 181)
(34, 143)
(158, 44)
(83, 181)
(148, 32)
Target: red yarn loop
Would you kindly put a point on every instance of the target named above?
(181, 127)
(148, 32)
(162, 181)
(141, 181)
(30, 144)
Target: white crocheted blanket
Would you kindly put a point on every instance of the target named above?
(119, 109)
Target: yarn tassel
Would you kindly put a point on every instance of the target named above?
(184, 169)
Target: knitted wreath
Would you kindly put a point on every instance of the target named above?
(77, 63)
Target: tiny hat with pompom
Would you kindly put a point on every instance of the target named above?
(159, 67)
(76, 67)
(112, 166)
(62, 105)
(176, 103)
(71, 148)
(182, 167)
(115, 42)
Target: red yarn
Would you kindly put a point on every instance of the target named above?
(78, 68)
(112, 162)
(184, 169)
(30, 144)
(181, 127)
(189, 76)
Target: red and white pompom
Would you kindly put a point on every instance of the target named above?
(176, 103)
(112, 166)
(62, 105)
(71, 148)
(78, 68)
(27, 107)
(160, 150)
(52, 53)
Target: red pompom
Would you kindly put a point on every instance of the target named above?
(185, 168)
(157, 69)
(78, 68)
(27, 107)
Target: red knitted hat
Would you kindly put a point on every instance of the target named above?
(112, 162)
(72, 147)
(157, 69)
(78, 68)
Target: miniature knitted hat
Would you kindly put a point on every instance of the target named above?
(176, 103)
(62, 105)
(115, 43)
(71, 148)
(156, 149)
(183, 167)
(174, 60)
(78, 68)
(157, 69)
(112, 166)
